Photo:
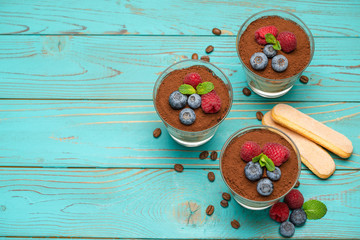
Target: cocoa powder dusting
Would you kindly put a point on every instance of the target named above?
(233, 166)
(298, 59)
(203, 120)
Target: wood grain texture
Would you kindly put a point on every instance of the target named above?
(134, 203)
(119, 134)
(126, 67)
(323, 17)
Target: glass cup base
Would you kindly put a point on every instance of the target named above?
(191, 144)
(270, 94)
(257, 207)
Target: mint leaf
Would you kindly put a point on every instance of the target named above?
(270, 38)
(265, 161)
(314, 209)
(204, 88)
(277, 46)
(187, 89)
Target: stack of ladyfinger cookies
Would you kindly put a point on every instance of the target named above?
(308, 134)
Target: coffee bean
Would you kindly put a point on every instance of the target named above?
(195, 56)
(224, 203)
(259, 115)
(216, 31)
(157, 133)
(204, 154)
(297, 184)
(235, 224)
(213, 155)
(226, 196)
(304, 79)
(211, 176)
(246, 91)
(205, 58)
(178, 167)
(210, 210)
(209, 49)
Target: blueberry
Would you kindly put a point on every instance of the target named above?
(287, 229)
(265, 187)
(253, 171)
(194, 101)
(187, 116)
(274, 175)
(298, 217)
(279, 63)
(177, 100)
(269, 51)
(258, 61)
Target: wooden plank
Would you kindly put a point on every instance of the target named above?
(155, 203)
(126, 67)
(119, 134)
(324, 17)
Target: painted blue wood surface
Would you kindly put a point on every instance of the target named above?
(55, 54)
(126, 67)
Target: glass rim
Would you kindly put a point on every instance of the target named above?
(230, 89)
(311, 39)
(252, 127)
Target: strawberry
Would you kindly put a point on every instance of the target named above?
(276, 152)
(260, 34)
(287, 41)
(249, 150)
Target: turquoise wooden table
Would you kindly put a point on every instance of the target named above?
(77, 155)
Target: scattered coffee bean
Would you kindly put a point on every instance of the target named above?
(297, 184)
(216, 31)
(209, 49)
(204, 154)
(259, 115)
(195, 56)
(246, 91)
(157, 133)
(213, 155)
(304, 79)
(178, 167)
(235, 224)
(210, 210)
(205, 58)
(211, 176)
(226, 196)
(224, 203)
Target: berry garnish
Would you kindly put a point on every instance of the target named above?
(276, 152)
(287, 41)
(187, 116)
(265, 187)
(194, 101)
(259, 61)
(294, 199)
(192, 79)
(261, 32)
(279, 212)
(274, 175)
(287, 229)
(269, 51)
(249, 150)
(177, 100)
(298, 217)
(253, 171)
(279, 63)
(210, 102)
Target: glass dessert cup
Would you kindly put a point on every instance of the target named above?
(187, 138)
(266, 87)
(248, 203)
